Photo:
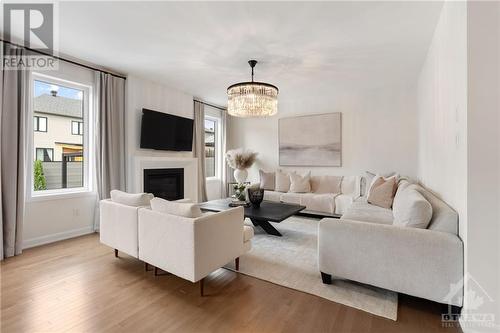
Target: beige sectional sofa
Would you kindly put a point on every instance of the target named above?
(366, 246)
(317, 202)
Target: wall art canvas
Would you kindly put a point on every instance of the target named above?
(311, 140)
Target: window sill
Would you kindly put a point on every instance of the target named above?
(58, 195)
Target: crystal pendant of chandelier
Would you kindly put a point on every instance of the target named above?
(252, 99)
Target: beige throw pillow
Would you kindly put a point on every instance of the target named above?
(267, 180)
(175, 208)
(382, 192)
(326, 184)
(282, 181)
(131, 199)
(300, 184)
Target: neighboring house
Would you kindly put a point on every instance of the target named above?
(58, 128)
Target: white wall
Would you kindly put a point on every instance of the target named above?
(372, 124)
(142, 93)
(442, 111)
(483, 192)
(50, 219)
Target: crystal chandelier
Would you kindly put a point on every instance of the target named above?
(252, 99)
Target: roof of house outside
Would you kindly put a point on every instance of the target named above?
(58, 105)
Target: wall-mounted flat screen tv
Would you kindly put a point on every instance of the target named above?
(163, 131)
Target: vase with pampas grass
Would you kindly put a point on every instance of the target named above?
(240, 160)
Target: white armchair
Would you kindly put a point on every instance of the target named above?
(192, 248)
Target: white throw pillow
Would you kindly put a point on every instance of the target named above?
(300, 184)
(411, 209)
(131, 199)
(267, 180)
(175, 208)
(326, 184)
(282, 181)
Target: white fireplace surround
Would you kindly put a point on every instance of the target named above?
(189, 164)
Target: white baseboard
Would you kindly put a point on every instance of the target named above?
(27, 243)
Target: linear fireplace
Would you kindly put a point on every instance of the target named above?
(165, 183)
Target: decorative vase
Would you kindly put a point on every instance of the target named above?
(240, 175)
(255, 195)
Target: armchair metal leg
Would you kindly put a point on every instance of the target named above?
(237, 263)
(202, 283)
(158, 274)
(146, 267)
(327, 278)
(116, 253)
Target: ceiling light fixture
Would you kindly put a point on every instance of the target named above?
(252, 99)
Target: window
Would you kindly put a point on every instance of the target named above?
(210, 146)
(45, 154)
(60, 159)
(40, 124)
(76, 127)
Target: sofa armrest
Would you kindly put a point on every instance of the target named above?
(218, 239)
(418, 262)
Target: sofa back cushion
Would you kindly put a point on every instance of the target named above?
(300, 184)
(444, 218)
(189, 210)
(267, 180)
(351, 186)
(411, 209)
(326, 184)
(282, 181)
(382, 192)
(131, 199)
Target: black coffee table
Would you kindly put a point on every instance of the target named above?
(267, 212)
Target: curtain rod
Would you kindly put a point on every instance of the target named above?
(212, 105)
(63, 59)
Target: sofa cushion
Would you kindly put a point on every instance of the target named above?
(351, 186)
(342, 203)
(411, 209)
(189, 210)
(272, 196)
(323, 203)
(300, 184)
(248, 233)
(361, 210)
(382, 192)
(292, 198)
(282, 181)
(326, 184)
(267, 180)
(131, 199)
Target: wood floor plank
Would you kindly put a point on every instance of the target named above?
(78, 285)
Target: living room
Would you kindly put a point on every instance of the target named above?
(253, 166)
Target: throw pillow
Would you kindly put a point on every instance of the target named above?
(131, 199)
(326, 184)
(267, 180)
(300, 184)
(382, 192)
(282, 181)
(411, 209)
(175, 208)
(373, 178)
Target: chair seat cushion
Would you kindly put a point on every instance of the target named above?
(248, 233)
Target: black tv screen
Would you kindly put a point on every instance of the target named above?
(164, 131)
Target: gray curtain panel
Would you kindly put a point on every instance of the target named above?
(224, 122)
(14, 101)
(110, 136)
(199, 148)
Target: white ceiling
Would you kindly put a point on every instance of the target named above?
(201, 48)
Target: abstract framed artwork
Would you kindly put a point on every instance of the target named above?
(314, 140)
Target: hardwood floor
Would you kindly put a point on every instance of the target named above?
(78, 285)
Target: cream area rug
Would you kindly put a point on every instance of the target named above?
(292, 261)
